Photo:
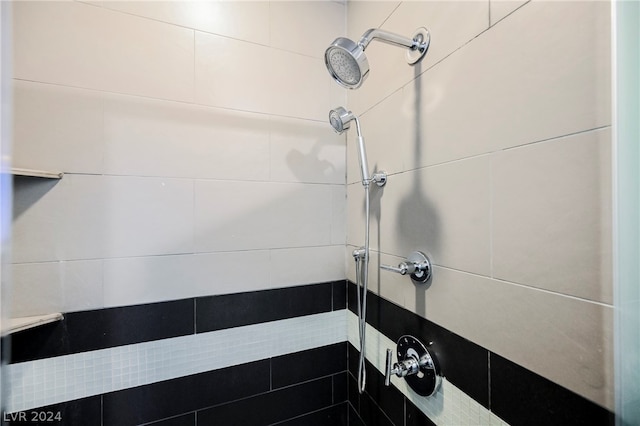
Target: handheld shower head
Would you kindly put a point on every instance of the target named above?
(348, 65)
(340, 120)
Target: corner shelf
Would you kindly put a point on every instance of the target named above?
(20, 324)
(46, 174)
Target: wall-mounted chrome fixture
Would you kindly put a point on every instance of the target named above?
(348, 65)
(340, 119)
(418, 367)
(417, 265)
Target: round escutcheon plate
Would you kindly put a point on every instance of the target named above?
(427, 381)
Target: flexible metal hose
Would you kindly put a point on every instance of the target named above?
(362, 277)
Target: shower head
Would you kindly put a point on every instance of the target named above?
(347, 62)
(340, 120)
(348, 65)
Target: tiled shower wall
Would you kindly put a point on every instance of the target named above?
(196, 153)
(195, 149)
(498, 151)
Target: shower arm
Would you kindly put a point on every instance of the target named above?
(389, 38)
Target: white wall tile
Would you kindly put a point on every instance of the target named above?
(552, 215)
(138, 280)
(161, 278)
(306, 151)
(147, 216)
(384, 128)
(147, 58)
(64, 49)
(307, 265)
(501, 8)
(339, 214)
(88, 217)
(527, 326)
(146, 137)
(75, 45)
(451, 25)
(57, 128)
(441, 210)
(243, 20)
(82, 284)
(256, 215)
(224, 273)
(299, 86)
(37, 289)
(356, 216)
(306, 27)
(490, 95)
(231, 73)
(363, 15)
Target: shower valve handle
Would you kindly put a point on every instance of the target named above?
(403, 268)
(417, 265)
(416, 365)
(404, 368)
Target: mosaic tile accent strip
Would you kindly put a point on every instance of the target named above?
(53, 380)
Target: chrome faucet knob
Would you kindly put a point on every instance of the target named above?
(417, 265)
(403, 268)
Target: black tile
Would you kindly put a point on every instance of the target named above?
(352, 392)
(340, 391)
(462, 362)
(234, 310)
(174, 397)
(339, 295)
(353, 418)
(354, 357)
(388, 398)
(104, 328)
(415, 417)
(186, 420)
(310, 364)
(332, 416)
(271, 407)
(371, 414)
(79, 412)
(522, 397)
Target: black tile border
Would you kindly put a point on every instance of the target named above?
(271, 407)
(233, 310)
(336, 415)
(309, 364)
(522, 398)
(512, 392)
(104, 328)
(110, 327)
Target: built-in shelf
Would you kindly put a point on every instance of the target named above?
(46, 174)
(19, 324)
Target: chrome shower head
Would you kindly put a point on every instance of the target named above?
(340, 119)
(348, 65)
